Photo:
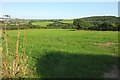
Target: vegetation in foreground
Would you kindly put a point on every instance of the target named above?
(14, 63)
(68, 53)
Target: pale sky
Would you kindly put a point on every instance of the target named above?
(58, 10)
(60, 0)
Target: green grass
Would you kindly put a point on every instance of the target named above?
(68, 53)
(45, 23)
(67, 21)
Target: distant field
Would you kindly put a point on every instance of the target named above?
(68, 53)
(67, 21)
(44, 23)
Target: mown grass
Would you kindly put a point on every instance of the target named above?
(43, 24)
(68, 53)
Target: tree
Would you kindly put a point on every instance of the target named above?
(81, 24)
(118, 27)
(107, 26)
(30, 24)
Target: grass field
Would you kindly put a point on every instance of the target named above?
(45, 23)
(67, 21)
(68, 53)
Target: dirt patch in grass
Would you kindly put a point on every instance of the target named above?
(109, 44)
(106, 44)
(113, 73)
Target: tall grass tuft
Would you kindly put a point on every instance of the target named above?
(14, 64)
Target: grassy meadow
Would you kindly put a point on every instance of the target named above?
(44, 23)
(67, 53)
(67, 21)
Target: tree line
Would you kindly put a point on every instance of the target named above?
(99, 23)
